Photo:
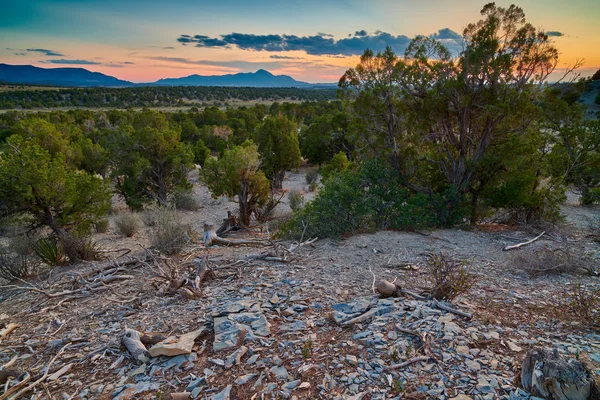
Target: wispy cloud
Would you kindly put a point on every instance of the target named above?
(46, 52)
(555, 33)
(71, 62)
(320, 44)
(278, 57)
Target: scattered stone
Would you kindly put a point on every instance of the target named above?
(128, 391)
(236, 357)
(223, 395)
(176, 345)
(513, 347)
(279, 372)
(241, 380)
(246, 326)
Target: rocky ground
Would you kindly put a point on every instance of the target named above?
(311, 328)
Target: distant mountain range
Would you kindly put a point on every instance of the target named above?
(28, 74)
(80, 77)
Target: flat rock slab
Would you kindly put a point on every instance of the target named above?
(343, 312)
(130, 390)
(225, 394)
(229, 330)
(176, 345)
(237, 306)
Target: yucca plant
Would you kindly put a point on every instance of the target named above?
(50, 251)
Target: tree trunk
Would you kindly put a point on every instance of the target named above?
(474, 200)
(67, 240)
(278, 177)
(245, 211)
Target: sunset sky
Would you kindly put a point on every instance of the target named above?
(311, 40)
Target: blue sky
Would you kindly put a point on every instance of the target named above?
(310, 40)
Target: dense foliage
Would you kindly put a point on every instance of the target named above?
(419, 140)
(153, 96)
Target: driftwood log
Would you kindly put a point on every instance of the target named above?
(132, 341)
(211, 237)
(516, 246)
(546, 374)
(392, 289)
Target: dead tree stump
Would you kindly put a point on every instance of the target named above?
(546, 374)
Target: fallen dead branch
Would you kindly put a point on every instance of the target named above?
(210, 237)
(190, 285)
(407, 363)
(451, 310)
(40, 380)
(516, 246)
(95, 286)
(6, 331)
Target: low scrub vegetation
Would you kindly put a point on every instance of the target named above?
(448, 277)
(584, 303)
(128, 224)
(14, 266)
(102, 226)
(546, 261)
(186, 201)
(296, 199)
(169, 233)
(369, 199)
(50, 251)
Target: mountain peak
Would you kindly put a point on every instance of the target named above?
(263, 72)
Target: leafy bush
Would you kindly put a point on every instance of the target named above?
(590, 196)
(169, 234)
(185, 200)
(449, 278)
(296, 199)
(50, 251)
(128, 224)
(369, 199)
(102, 226)
(201, 152)
(338, 163)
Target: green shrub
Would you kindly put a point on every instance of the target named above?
(50, 251)
(311, 177)
(169, 234)
(128, 224)
(338, 163)
(201, 152)
(102, 226)
(590, 196)
(185, 200)
(296, 199)
(369, 199)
